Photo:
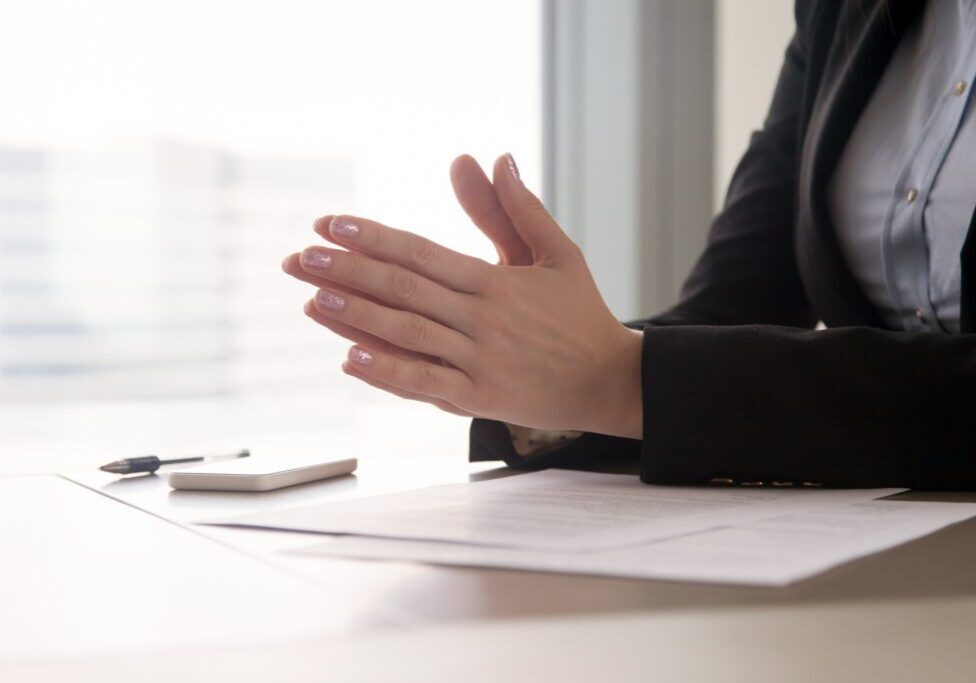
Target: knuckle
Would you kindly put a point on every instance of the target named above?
(476, 399)
(499, 285)
(354, 314)
(468, 309)
(422, 251)
(478, 404)
(502, 330)
(492, 320)
(402, 286)
(414, 331)
(481, 275)
(393, 372)
(576, 251)
(531, 207)
(425, 380)
(373, 239)
(536, 205)
(349, 268)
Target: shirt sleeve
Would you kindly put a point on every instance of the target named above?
(527, 441)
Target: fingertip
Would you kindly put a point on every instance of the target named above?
(512, 167)
(501, 175)
(292, 264)
(471, 185)
(323, 227)
(321, 224)
(360, 356)
(351, 369)
(505, 180)
(462, 163)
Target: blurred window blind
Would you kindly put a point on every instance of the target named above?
(152, 270)
(163, 159)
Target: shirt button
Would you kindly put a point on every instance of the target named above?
(911, 195)
(920, 315)
(959, 88)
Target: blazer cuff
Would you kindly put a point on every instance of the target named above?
(707, 394)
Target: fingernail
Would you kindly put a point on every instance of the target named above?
(341, 227)
(360, 356)
(316, 259)
(329, 300)
(512, 167)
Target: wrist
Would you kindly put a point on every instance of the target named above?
(618, 406)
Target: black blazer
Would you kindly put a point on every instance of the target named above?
(736, 384)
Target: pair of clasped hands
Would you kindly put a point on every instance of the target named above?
(528, 341)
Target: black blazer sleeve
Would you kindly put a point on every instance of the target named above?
(737, 385)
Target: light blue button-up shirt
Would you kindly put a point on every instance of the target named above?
(904, 192)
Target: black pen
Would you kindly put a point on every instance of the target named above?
(151, 463)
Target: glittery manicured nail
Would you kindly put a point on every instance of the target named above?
(329, 300)
(359, 355)
(343, 228)
(512, 167)
(316, 259)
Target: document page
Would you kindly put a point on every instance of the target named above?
(770, 552)
(551, 510)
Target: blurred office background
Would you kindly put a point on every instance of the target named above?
(157, 161)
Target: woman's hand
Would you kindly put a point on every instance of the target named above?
(528, 341)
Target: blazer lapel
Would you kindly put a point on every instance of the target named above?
(866, 36)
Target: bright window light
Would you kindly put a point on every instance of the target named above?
(158, 160)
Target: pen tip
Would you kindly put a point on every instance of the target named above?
(112, 467)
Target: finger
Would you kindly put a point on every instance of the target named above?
(292, 266)
(362, 338)
(417, 377)
(389, 283)
(476, 195)
(420, 255)
(351, 370)
(321, 226)
(527, 213)
(400, 328)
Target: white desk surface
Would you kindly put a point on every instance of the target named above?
(908, 641)
(95, 589)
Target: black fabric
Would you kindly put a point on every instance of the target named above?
(735, 382)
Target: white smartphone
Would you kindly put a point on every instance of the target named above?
(258, 474)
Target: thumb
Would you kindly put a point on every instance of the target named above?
(477, 197)
(536, 226)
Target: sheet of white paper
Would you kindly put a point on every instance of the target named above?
(772, 552)
(551, 510)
